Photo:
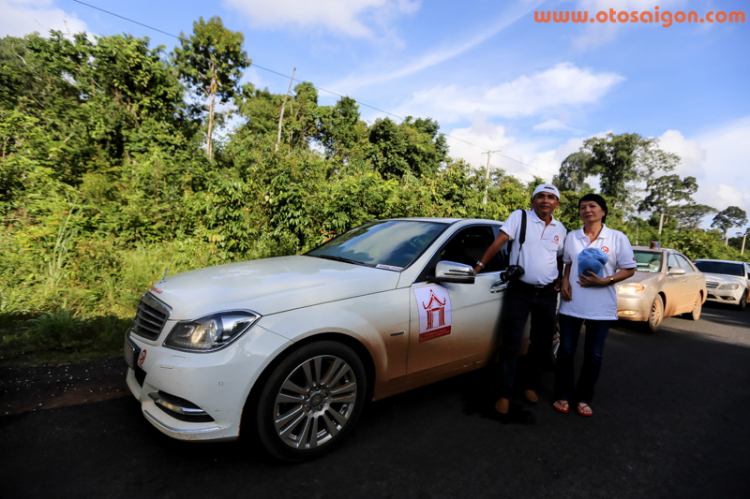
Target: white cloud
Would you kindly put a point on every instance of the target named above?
(344, 17)
(355, 82)
(522, 159)
(22, 17)
(718, 159)
(561, 86)
(551, 125)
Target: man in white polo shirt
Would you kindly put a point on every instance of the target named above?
(533, 293)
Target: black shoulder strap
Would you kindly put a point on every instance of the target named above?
(521, 235)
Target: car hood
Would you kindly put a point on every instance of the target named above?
(724, 279)
(644, 278)
(268, 286)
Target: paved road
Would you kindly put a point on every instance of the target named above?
(672, 420)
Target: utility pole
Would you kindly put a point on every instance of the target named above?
(487, 174)
(744, 238)
(283, 105)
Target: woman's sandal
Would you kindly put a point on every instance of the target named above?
(583, 409)
(561, 406)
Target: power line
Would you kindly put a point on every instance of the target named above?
(301, 81)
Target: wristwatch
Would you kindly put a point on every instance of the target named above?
(480, 264)
(611, 280)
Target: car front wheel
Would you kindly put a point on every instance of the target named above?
(743, 301)
(311, 401)
(656, 316)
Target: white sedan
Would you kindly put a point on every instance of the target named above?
(727, 281)
(292, 347)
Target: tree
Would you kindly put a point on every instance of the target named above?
(620, 162)
(733, 216)
(341, 133)
(665, 191)
(690, 215)
(573, 173)
(211, 61)
(413, 147)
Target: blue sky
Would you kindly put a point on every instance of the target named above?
(486, 71)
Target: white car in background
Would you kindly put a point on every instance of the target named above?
(727, 281)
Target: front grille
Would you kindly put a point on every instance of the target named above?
(151, 316)
(712, 285)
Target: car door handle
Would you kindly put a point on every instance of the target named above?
(499, 286)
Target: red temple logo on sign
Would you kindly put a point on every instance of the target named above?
(434, 313)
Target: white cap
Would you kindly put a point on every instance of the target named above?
(546, 188)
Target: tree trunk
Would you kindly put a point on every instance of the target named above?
(212, 96)
(283, 105)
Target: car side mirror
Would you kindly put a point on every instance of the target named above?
(446, 271)
(676, 271)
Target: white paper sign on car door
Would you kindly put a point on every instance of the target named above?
(434, 305)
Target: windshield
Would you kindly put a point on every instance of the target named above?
(721, 268)
(648, 261)
(392, 244)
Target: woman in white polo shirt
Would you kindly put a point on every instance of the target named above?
(593, 253)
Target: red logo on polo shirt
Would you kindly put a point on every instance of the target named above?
(605, 249)
(557, 239)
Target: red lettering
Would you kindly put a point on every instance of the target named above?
(580, 17)
(542, 17)
(560, 17)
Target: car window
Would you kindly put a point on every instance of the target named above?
(394, 244)
(648, 261)
(727, 268)
(684, 264)
(672, 262)
(467, 246)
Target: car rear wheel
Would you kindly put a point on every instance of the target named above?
(311, 401)
(656, 316)
(695, 314)
(743, 301)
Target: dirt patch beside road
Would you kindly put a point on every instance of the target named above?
(24, 389)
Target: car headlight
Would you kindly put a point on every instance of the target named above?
(210, 333)
(729, 286)
(630, 288)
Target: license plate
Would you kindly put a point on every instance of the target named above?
(130, 352)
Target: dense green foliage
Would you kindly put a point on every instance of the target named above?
(105, 181)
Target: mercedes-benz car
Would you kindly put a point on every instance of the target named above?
(292, 347)
(727, 281)
(665, 283)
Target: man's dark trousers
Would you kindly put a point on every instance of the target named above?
(522, 300)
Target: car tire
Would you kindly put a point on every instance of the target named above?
(695, 314)
(656, 315)
(743, 301)
(311, 401)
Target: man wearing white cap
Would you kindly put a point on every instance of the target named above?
(534, 293)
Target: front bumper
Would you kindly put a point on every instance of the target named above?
(198, 396)
(633, 307)
(730, 296)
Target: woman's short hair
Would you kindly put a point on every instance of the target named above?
(598, 200)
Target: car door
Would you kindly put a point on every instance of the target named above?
(454, 324)
(676, 288)
(693, 282)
